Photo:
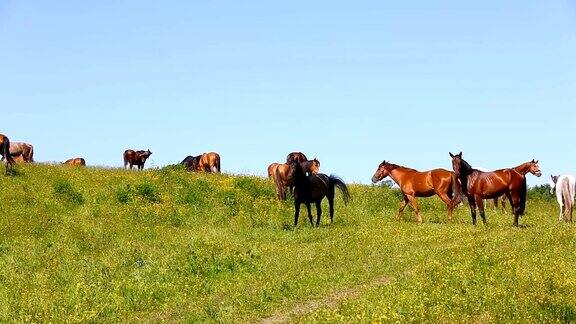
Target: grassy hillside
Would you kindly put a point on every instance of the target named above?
(80, 244)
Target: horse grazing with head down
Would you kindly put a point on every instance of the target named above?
(137, 158)
(75, 162)
(312, 189)
(413, 183)
(207, 162)
(478, 185)
(564, 186)
(22, 149)
(5, 152)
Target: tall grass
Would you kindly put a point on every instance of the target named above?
(89, 244)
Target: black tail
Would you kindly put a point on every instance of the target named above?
(218, 164)
(523, 193)
(337, 182)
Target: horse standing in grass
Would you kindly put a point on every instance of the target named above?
(524, 168)
(283, 175)
(75, 162)
(413, 183)
(137, 158)
(207, 162)
(564, 188)
(296, 156)
(5, 152)
(312, 189)
(22, 149)
(478, 185)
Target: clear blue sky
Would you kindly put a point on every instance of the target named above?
(349, 82)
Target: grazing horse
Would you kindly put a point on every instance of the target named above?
(22, 149)
(75, 162)
(5, 152)
(413, 183)
(564, 187)
(312, 189)
(137, 158)
(296, 156)
(207, 162)
(210, 162)
(478, 185)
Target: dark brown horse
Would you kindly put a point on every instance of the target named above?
(5, 152)
(478, 185)
(22, 149)
(137, 158)
(296, 156)
(413, 183)
(524, 168)
(312, 189)
(75, 162)
(207, 162)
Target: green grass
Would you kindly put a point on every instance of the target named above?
(89, 244)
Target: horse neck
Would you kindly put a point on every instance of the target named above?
(396, 173)
(300, 177)
(523, 169)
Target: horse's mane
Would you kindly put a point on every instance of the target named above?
(393, 166)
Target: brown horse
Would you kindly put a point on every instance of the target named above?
(137, 158)
(5, 152)
(478, 185)
(284, 178)
(75, 162)
(524, 168)
(296, 156)
(22, 149)
(207, 162)
(414, 184)
(312, 189)
(272, 170)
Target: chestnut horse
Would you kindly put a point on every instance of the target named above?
(296, 156)
(524, 168)
(22, 149)
(207, 162)
(137, 158)
(413, 183)
(75, 162)
(5, 152)
(478, 185)
(312, 189)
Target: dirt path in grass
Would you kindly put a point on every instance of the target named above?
(330, 301)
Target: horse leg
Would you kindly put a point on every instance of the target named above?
(296, 211)
(503, 202)
(331, 205)
(480, 204)
(448, 203)
(414, 204)
(515, 201)
(495, 201)
(308, 207)
(319, 212)
(403, 205)
(472, 204)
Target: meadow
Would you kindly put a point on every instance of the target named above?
(97, 244)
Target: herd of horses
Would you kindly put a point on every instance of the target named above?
(302, 178)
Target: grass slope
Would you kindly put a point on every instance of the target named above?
(89, 244)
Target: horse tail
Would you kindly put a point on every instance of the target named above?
(457, 192)
(6, 152)
(337, 182)
(523, 193)
(217, 163)
(125, 156)
(30, 156)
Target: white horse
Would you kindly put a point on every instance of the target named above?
(564, 186)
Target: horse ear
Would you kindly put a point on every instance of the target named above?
(460, 154)
(451, 155)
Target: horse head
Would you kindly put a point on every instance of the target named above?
(553, 181)
(315, 166)
(382, 172)
(534, 168)
(457, 163)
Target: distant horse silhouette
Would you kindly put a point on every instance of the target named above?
(478, 185)
(22, 149)
(207, 162)
(296, 156)
(75, 162)
(312, 189)
(5, 152)
(137, 158)
(413, 183)
(564, 188)
(283, 174)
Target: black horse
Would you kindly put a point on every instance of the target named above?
(191, 162)
(312, 189)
